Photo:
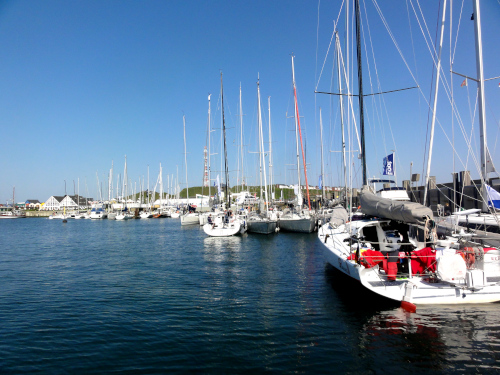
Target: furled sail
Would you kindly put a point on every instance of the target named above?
(408, 212)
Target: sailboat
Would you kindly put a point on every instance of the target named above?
(298, 220)
(223, 225)
(189, 218)
(203, 217)
(394, 250)
(111, 212)
(261, 223)
(12, 213)
(123, 214)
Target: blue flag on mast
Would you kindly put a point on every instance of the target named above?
(493, 197)
(389, 165)
(320, 184)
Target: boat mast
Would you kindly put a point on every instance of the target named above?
(322, 165)
(341, 99)
(481, 103)
(125, 177)
(434, 106)
(270, 150)
(297, 126)
(209, 131)
(227, 198)
(185, 158)
(299, 200)
(161, 189)
(110, 183)
(241, 142)
(360, 88)
(262, 161)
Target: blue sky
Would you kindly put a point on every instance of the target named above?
(84, 83)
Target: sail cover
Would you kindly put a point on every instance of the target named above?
(339, 216)
(408, 212)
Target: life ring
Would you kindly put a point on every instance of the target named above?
(467, 253)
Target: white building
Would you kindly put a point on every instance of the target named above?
(70, 202)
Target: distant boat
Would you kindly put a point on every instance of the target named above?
(11, 212)
(298, 220)
(222, 226)
(146, 215)
(124, 214)
(189, 218)
(98, 212)
(262, 223)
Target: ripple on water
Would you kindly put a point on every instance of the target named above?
(151, 296)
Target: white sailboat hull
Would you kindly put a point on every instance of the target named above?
(189, 219)
(98, 215)
(222, 230)
(419, 290)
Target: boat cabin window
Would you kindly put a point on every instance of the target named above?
(417, 233)
(370, 235)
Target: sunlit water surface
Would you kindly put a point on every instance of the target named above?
(150, 296)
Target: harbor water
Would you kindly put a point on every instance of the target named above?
(150, 296)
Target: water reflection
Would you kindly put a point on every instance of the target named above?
(215, 248)
(436, 338)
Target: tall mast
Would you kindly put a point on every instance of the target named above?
(161, 188)
(270, 150)
(185, 158)
(262, 160)
(481, 102)
(241, 142)
(209, 130)
(99, 190)
(434, 107)
(299, 200)
(125, 177)
(322, 165)
(360, 87)
(110, 182)
(227, 198)
(297, 124)
(341, 99)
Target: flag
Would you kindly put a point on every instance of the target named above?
(320, 185)
(389, 165)
(493, 197)
(464, 83)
